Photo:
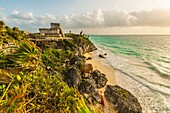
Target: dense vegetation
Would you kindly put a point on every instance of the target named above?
(25, 83)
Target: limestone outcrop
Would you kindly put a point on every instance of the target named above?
(73, 78)
(122, 100)
(99, 78)
(88, 82)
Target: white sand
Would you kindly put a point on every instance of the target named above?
(105, 69)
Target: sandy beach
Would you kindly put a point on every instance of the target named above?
(102, 66)
(106, 69)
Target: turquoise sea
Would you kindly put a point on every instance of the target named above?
(142, 64)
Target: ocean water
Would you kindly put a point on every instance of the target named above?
(142, 66)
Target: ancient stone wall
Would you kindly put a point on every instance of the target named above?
(55, 29)
(55, 25)
(43, 31)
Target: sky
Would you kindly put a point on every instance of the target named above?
(91, 16)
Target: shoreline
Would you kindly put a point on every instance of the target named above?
(106, 69)
(102, 66)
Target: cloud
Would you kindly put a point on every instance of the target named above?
(156, 17)
(28, 21)
(89, 19)
(115, 17)
(21, 16)
(94, 19)
(2, 15)
(118, 18)
(44, 20)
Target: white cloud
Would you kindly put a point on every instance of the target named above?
(28, 21)
(89, 19)
(44, 20)
(156, 17)
(2, 15)
(94, 19)
(116, 18)
(21, 16)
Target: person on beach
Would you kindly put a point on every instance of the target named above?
(102, 99)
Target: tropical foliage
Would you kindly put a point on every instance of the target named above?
(26, 85)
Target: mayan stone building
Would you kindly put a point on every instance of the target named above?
(55, 30)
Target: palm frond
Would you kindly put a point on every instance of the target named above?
(5, 77)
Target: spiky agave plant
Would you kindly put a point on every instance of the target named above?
(26, 56)
(5, 80)
(5, 77)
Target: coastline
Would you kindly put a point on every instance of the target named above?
(61, 61)
(106, 69)
(138, 69)
(102, 66)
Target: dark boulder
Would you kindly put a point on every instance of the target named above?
(100, 78)
(96, 74)
(89, 58)
(73, 77)
(101, 56)
(122, 100)
(74, 59)
(101, 82)
(86, 86)
(96, 97)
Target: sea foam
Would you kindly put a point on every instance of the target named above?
(133, 74)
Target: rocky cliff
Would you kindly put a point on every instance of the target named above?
(48, 76)
(87, 83)
(122, 100)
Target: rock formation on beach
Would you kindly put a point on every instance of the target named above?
(122, 100)
(100, 78)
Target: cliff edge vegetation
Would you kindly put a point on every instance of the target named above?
(32, 76)
(52, 76)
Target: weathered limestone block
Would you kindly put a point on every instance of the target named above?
(122, 100)
(100, 78)
(73, 78)
(86, 86)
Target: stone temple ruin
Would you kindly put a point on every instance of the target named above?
(55, 30)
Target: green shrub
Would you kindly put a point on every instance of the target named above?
(25, 85)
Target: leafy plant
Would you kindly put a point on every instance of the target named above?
(26, 86)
